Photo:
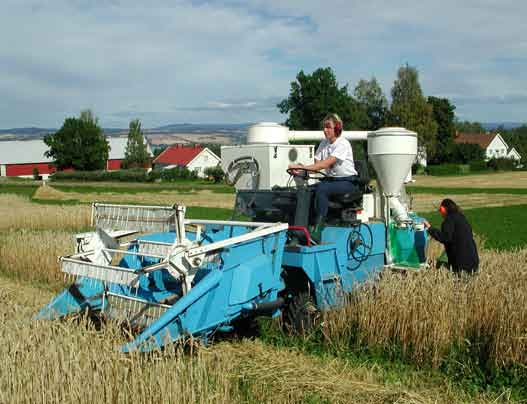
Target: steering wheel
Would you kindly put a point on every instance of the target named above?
(360, 243)
(307, 173)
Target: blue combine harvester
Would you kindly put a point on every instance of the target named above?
(184, 277)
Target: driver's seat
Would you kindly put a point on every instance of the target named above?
(353, 199)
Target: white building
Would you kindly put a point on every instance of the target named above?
(194, 158)
(493, 145)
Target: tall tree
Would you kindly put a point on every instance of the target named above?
(370, 96)
(410, 109)
(443, 113)
(314, 95)
(136, 154)
(517, 138)
(88, 117)
(78, 144)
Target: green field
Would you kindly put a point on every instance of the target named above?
(502, 228)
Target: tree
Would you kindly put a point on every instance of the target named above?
(464, 153)
(136, 154)
(215, 173)
(410, 109)
(160, 148)
(443, 113)
(78, 144)
(88, 117)
(469, 127)
(370, 96)
(312, 96)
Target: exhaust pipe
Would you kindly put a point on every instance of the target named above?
(264, 307)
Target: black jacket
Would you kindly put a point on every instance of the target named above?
(456, 235)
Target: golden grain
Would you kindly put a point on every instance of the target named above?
(517, 179)
(163, 197)
(429, 312)
(31, 255)
(17, 212)
(423, 313)
(74, 362)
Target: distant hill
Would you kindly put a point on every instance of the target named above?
(201, 127)
(26, 131)
(507, 125)
(235, 131)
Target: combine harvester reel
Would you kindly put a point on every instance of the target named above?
(175, 282)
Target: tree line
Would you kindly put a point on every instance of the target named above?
(80, 144)
(313, 95)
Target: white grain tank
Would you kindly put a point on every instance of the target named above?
(392, 152)
(268, 132)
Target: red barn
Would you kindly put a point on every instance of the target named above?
(18, 158)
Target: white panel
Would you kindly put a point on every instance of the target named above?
(272, 160)
(2, 170)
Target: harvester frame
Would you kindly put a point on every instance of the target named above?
(173, 281)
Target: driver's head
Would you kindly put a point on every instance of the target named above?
(333, 120)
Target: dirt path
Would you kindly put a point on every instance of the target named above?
(516, 179)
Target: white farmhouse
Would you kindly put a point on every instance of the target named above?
(194, 158)
(493, 145)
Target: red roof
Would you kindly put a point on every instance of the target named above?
(178, 155)
(481, 139)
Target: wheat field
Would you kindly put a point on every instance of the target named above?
(204, 198)
(74, 362)
(427, 313)
(424, 313)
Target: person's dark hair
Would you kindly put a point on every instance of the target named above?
(450, 206)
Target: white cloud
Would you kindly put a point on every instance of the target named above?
(174, 61)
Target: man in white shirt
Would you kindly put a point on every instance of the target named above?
(335, 156)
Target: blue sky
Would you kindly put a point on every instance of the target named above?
(175, 61)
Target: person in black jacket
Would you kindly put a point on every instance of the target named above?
(456, 235)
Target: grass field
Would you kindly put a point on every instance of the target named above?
(501, 228)
(424, 338)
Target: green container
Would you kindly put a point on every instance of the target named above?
(403, 246)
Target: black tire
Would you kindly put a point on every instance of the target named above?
(301, 315)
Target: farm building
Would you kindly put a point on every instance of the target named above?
(194, 158)
(18, 158)
(492, 143)
(117, 151)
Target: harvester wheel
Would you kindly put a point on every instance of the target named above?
(302, 315)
